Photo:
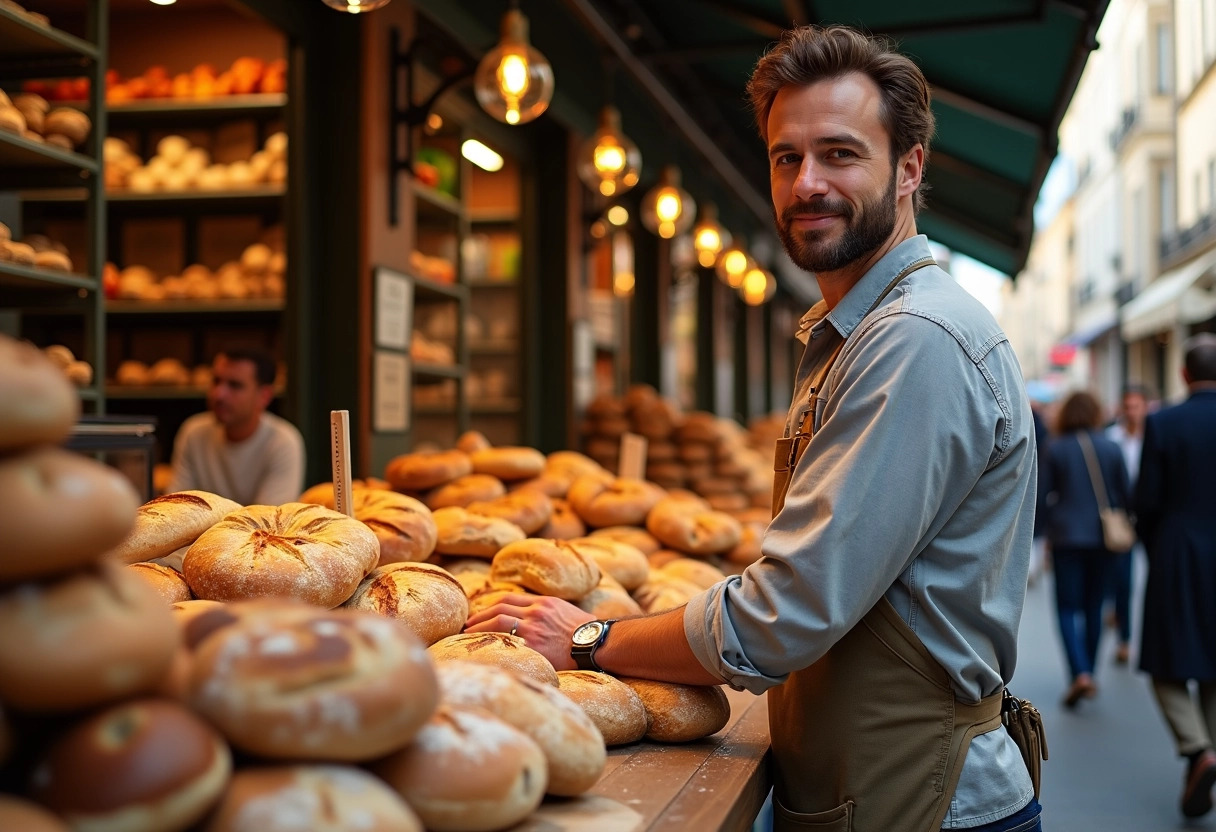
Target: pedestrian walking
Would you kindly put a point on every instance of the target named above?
(1175, 501)
(1128, 433)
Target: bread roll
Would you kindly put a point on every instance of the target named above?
(167, 523)
(636, 537)
(471, 441)
(748, 551)
(426, 469)
(684, 526)
(37, 403)
(292, 551)
(665, 592)
(22, 816)
(290, 681)
(97, 635)
(572, 464)
(167, 583)
(564, 523)
(462, 533)
(405, 527)
(142, 766)
(497, 649)
(66, 121)
(613, 502)
(424, 597)
(624, 562)
(468, 771)
(464, 490)
(316, 798)
(508, 463)
(490, 592)
(613, 706)
(694, 571)
(663, 557)
(565, 733)
(681, 713)
(547, 567)
(61, 511)
(550, 483)
(530, 510)
(699, 427)
(322, 494)
(609, 600)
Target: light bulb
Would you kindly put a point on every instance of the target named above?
(514, 82)
(668, 206)
(758, 286)
(733, 264)
(608, 162)
(352, 6)
(708, 237)
(618, 215)
(668, 209)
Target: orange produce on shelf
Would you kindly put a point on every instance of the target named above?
(274, 79)
(119, 94)
(183, 86)
(247, 72)
(138, 87)
(225, 84)
(80, 89)
(65, 90)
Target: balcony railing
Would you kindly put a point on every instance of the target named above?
(1188, 238)
(1127, 121)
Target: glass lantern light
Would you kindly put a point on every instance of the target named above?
(732, 265)
(353, 6)
(514, 82)
(758, 286)
(708, 236)
(668, 209)
(609, 163)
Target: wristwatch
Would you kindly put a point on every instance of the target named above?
(586, 640)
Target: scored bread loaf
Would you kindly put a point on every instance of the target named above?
(681, 713)
(168, 583)
(625, 563)
(663, 592)
(530, 510)
(685, 526)
(404, 526)
(500, 650)
(609, 600)
(694, 571)
(464, 490)
(424, 597)
(613, 706)
(165, 524)
(426, 469)
(462, 533)
(547, 567)
(563, 524)
(618, 501)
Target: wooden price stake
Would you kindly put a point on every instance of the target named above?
(339, 432)
(633, 457)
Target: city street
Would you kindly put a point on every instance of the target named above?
(1112, 766)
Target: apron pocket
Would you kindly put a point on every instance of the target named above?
(839, 819)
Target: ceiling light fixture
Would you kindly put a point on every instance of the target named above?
(708, 236)
(481, 155)
(668, 209)
(514, 82)
(609, 162)
(758, 286)
(352, 6)
(732, 265)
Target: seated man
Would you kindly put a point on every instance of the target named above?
(238, 450)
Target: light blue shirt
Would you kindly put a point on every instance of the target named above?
(918, 485)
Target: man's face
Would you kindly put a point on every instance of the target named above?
(235, 395)
(834, 188)
(1135, 408)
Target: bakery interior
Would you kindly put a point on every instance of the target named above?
(496, 289)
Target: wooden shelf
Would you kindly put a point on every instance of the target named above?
(504, 216)
(438, 371)
(486, 283)
(508, 348)
(193, 307)
(24, 39)
(429, 198)
(193, 110)
(21, 153)
(238, 198)
(430, 289)
(25, 277)
(122, 391)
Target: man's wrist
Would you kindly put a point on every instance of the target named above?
(586, 640)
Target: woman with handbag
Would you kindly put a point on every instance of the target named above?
(1087, 496)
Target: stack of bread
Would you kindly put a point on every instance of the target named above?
(179, 166)
(30, 115)
(246, 76)
(80, 373)
(424, 350)
(35, 251)
(260, 273)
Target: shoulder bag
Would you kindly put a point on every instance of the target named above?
(1118, 534)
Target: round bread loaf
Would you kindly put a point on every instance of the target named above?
(473, 582)
(547, 567)
(176, 683)
(572, 464)
(636, 537)
(663, 557)
(168, 583)
(681, 713)
(605, 405)
(684, 526)
(292, 551)
(664, 592)
(550, 483)
(613, 706)
(316, 798)
(624, 562)
(292, 681)
(464, 490)
(728, 502)
(691, 452)
(564, 523)
(699, 427)
(660, 452)
(499, 650)
(145, 765)
(404, 526)
(426, 469)
(491, 592)
(613, 502)
(569, 739)
(609, 600)
(37, 402)
(611, 427)
(22, 816)
(322, 493)
(530, 510)
(61, 511)
(472, 441)
(508, 463)
(468, 771)
(165, 524)
(424, 597)
(462, 533)
(92, 637)
(694, 571)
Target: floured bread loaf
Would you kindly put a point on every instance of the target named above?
(624, 562)
(404, 526)
(498, 650)
(547, 567)
(613, 706)
(322, 494)
(292, 551)
(468, 770)
(462, 533)
(426, 469)
(422, 596)
(290, 681)
(694, 571)
(168, 583)
(663, 592)
(167, 523)
(609, 600)
(569, 739)
(681, 713)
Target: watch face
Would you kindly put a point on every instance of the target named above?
(588, 633)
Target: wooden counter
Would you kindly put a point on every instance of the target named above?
(713, 785)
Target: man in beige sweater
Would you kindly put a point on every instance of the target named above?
(237, 449)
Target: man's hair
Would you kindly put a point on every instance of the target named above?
(1200, 361)
(1135, 389)
(810, 54)
(1080, 411)
(264, 368)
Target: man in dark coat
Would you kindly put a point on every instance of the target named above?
(1175, 502)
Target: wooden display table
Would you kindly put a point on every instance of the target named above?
(714, 785)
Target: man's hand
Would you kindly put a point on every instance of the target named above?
(545, 623)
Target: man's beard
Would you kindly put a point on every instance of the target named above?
(812, 251)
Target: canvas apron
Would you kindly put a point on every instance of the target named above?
(870, 738)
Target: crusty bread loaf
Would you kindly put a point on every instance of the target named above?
(462, 533)
(681, 713)
(624, 562)
(426, 469)
(168, 583)
(548, 482)
(290, 681)
(662, 557)
(61, 511)
(464, 490)
(404, 526)
(37, 402)
(565, 733)
(296, 550)
(85, 639)
(322, 494)
(635, 536)
(663, 592)
(530, 510)
(572, 464)
(144, 764)
(471, 441)
(317, 798)
(613, 502)
(17, 814)
(491, 592)
(613, 706)
(694, 571)
(728, 502)
(422, 596)
(497, 649)
(609, 600)
(508, 463)
(468, 770)
(547, 567)
(165, 524)
(684, 526)
(563, 524)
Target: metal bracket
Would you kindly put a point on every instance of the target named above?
(412, 116)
